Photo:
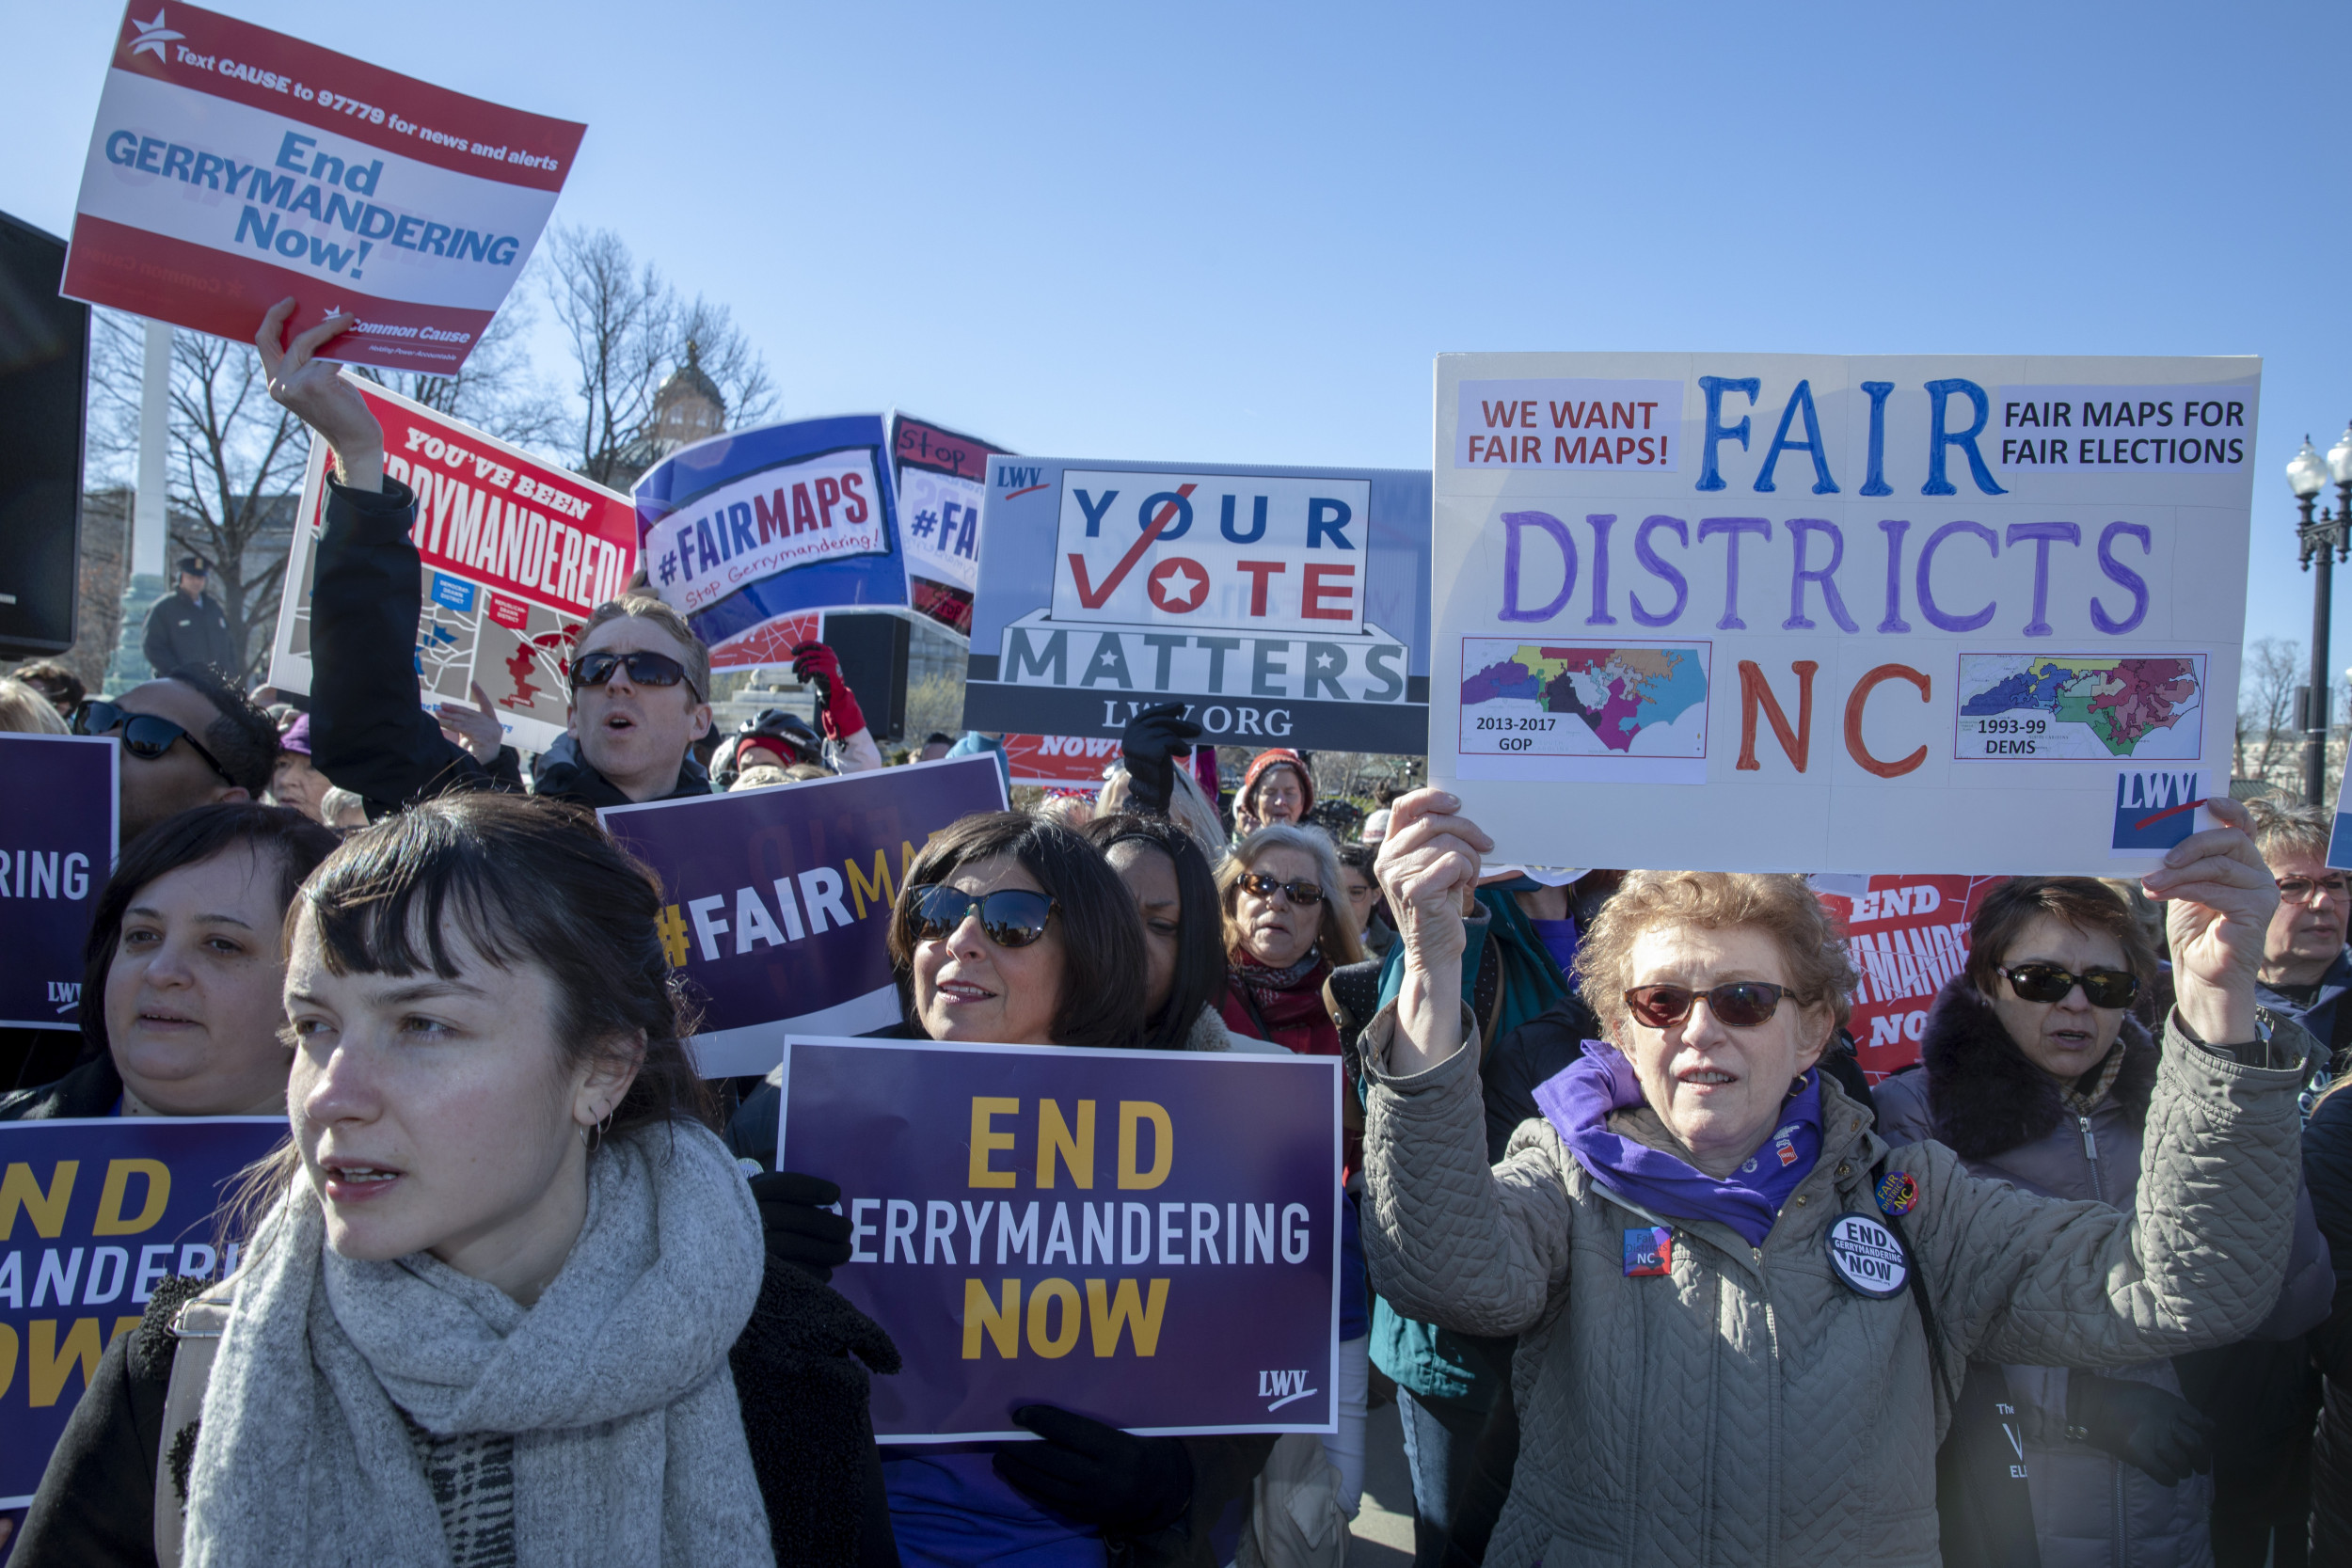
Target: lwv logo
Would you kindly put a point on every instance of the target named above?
(1282, 1388)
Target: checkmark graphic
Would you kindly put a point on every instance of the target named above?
(1092, 596)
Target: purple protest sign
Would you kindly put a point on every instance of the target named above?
(777, 901)
(93, 1214)
(57, 816)
(1149, 1238)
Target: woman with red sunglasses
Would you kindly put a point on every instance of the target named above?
(1744, 1318)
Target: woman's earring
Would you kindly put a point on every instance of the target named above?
(593, 1136)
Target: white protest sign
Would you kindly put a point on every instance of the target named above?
(1817, 613)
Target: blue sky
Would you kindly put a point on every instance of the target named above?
(1240, 233)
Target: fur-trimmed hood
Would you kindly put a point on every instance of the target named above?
(1986, 1097)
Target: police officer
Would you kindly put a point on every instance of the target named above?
(186, 627)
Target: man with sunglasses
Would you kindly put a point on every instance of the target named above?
(2306, 967)
(640, 679)
(189, 740)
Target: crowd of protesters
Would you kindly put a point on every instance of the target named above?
(509, 1296)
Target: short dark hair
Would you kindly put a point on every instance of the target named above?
(2083, 902)
(54, 681)
(1102, 986)
(242, 738)
(938, 738)
(527, 880)
(1201, 922)
(1360, 858)
(293, 840)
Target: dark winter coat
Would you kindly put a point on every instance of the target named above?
(183, 631)
(804, 1415)
(91, 1089)
(1979, 1095)
(2327, 1172)
(369, 732)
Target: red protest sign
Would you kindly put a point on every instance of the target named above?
(1908, 936)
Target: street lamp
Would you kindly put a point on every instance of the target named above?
(2326, 540)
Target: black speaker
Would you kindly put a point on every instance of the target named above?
(872, 648)
(45, 381)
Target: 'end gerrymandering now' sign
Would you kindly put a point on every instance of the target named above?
(1907, 935)
(1785, 611)
(58, 813)
(93, 1215)
(1282, 606)
(777, 901)
(232, 166)
(1149, 1238)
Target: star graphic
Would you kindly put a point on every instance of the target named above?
(1176, 585)
(153, 36)
(1108, 659)
(1323, 661)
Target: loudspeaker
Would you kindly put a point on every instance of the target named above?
(872, 648)
(45, 381)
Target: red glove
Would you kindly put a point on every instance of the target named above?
(814, 661)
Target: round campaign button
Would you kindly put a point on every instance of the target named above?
(1867, 1257)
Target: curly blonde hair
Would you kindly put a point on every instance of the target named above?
(1783, 906)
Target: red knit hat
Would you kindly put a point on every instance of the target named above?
(1281, 757)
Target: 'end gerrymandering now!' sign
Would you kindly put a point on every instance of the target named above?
(93, 1215)
(1781, 612)
(58, 812)
(776, 902)
(232, 166)
(1149, 1238)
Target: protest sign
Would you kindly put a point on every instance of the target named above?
(941, 478)
(1779, 611)
(515, 550)
(93, 1215)
(745, 533)
(1060, 761)
(59, 816)
(1908, 936)
(1176, 1212)
(777, 901)
(232, 166)
(1282, 606)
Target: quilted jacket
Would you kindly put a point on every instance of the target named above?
(1749, 1408)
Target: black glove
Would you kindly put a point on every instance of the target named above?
(1152, 737)
(800, 1231)
(1098, 1475)
(2141, 1425)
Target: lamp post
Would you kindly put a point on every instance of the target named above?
(2326, 540)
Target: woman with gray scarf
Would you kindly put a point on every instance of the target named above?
(507, 1299)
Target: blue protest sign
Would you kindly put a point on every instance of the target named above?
(58, 816)
(777, 901)
(93, 1215)
(1149, 1238)
(1284, 606)
(757, 526)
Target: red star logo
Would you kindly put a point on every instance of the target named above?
(1176, 585)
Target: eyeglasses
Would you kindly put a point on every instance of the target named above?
(1010, 917)
(2101, 987)
(144, 734)
(1303, 894)
(645, 668)
(1740, 1003)
(2295, 890)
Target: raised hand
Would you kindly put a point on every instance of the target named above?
(1429, 860)
(320, 397)
(1152, 738)
(477, 728)
(2222, 896)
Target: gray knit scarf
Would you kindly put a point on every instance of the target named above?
(628, 1446)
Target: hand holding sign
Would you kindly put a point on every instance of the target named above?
(2222, 898)
(1429, 859)
(316, 391)
(1097, 1474)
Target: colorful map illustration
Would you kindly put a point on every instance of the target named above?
(2064, 708)
(1543, 700)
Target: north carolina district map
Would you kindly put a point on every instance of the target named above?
(2045, 706)
(1626, 699)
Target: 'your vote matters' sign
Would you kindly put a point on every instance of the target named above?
(93, 1215)
(1148, 1238)
(1780, 611)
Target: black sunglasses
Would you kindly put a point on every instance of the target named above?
(1266, 887)
(1011, 917)
(1740, 1004)
(144, 734)
(2044, 982)
(645, 668)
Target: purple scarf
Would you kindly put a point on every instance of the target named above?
(1577, 1102)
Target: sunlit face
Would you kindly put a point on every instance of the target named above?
(637, 735)
(968, 989)
(439, 1115)
(1151, 876)
(156, 787)
(1272, 930)
(193, 1001)
(1279, 796)
(1361, 895)
(1717, 1088)
(294, 783)
(2064, 1039)
(2306, 931)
